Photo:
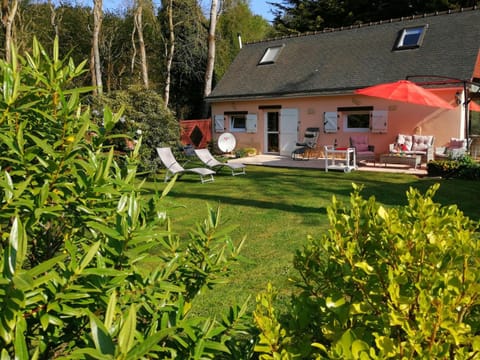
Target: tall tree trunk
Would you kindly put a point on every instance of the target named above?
(53, 18)
(8, 16)
(97, 24)
(92, 70)
(134, 51)
(171, 51)
(143, 53)
(211, 52)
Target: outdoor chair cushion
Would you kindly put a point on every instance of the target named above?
(363, 151)
(360, 143)
(457, 143)
(309, 143)
(455, 149)
(422, 142)
(310, 138)
(405, 140)
(414, 145)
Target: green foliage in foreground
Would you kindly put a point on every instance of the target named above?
(78, 279)
(399, 283)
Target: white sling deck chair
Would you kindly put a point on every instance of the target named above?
(207, 158)
(173, 167)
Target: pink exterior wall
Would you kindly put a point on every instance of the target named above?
(402, 118)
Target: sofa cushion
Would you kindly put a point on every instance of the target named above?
(422, 142)
(405, 140)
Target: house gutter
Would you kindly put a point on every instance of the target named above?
(282, 95)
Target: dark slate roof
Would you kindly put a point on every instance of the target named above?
(340, 60)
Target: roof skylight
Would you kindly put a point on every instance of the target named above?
(410, 38)
(270, 55)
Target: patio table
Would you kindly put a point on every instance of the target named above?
(411, 160)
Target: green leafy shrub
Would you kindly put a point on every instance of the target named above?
(245, 152)
(463, 167)
(91, 268)
(443, 168)
(145, 116)
(398, 283)
(240, 153)
(470, 171)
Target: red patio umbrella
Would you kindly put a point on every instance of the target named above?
(474, 106)
(405, 91)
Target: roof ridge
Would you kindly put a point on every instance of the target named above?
(369, 24)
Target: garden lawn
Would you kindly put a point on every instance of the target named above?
(277, 208)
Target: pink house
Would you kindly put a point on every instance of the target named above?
(277, 88)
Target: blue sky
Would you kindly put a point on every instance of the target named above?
(260, 7)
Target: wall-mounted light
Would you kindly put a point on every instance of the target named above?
(458, 98)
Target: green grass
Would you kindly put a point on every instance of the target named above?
(277, 208)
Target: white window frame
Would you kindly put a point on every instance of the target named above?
(271, 55)
(232, 123)
(406, 33)
(346, 114)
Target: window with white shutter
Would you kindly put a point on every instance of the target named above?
(251, 125)
(379, 121)
(219, 123)
(330, 122)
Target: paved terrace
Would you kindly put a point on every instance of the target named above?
(319, 163)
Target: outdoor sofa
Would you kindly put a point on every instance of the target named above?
(414, 145)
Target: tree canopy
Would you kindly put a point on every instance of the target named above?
(131, 52)
(297, 16)
(120, 45)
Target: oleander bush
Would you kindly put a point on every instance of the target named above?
(398, 283)
(91, 269)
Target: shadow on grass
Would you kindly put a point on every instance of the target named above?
(252, 203)
(309, 191)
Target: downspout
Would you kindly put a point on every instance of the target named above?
(468, 127)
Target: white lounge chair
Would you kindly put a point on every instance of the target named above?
(173, 167)
(207, 158)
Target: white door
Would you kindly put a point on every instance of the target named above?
(288, 130)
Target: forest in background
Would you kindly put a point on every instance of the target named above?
(165, 47)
